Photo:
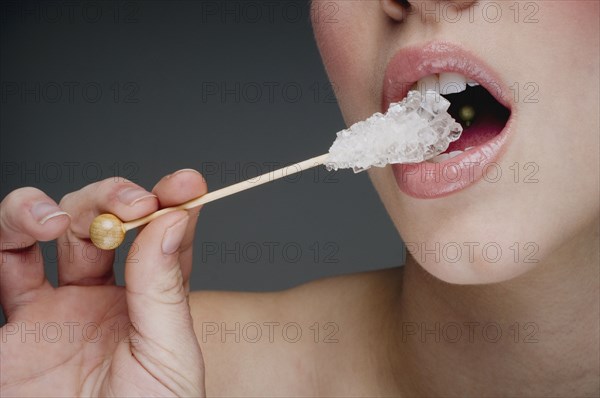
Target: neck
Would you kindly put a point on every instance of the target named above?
(537, 334)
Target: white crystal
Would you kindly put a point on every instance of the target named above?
(411, 131)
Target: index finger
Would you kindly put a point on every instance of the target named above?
(85, 264)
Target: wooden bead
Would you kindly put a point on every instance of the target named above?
(107, 232)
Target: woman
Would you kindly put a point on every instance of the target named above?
(498, 297)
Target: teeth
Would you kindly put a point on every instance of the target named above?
(444, 83)
(452, 83)
(440, 158)
(454, 154)
(445, 156)
(430, 83)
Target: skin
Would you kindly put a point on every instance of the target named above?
(555, 301)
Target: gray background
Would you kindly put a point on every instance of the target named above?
(140, 89)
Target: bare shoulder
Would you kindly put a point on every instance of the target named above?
(283, 343)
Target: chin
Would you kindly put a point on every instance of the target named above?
(469, 258)
(480, 271)
(472, 237)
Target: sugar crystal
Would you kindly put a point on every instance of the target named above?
(411, 131)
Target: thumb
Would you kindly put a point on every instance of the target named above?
(165, 343)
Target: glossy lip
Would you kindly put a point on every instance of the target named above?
(434, 180)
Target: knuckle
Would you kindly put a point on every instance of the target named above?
(109, 188)
(112, 182)
(105, 190)
(170, 290)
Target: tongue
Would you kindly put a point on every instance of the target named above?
(482, 130)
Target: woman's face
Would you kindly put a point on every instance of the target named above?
(529, 184)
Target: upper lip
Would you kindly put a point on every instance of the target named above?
(413, 63)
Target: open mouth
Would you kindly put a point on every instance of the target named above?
(479, 113)
(479, 100)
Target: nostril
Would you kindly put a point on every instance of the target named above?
(396, 9)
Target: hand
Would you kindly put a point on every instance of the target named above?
(88, 336)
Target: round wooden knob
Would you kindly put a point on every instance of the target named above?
(107, 231)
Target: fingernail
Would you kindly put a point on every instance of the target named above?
(44, 211)
(183, 171)
(130, 196)
(173, 236)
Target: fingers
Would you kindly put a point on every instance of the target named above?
(27, 215)
(165, 344)
(85, 264)
(177, 188)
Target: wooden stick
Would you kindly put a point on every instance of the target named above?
(107, 231)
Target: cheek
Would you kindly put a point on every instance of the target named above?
(329, 33)
(346, 34)
(582, 14)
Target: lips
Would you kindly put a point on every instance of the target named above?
(469, 159)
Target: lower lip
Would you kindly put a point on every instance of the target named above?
(427, 180)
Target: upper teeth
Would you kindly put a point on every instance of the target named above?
(452, 83)
(444, 83)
